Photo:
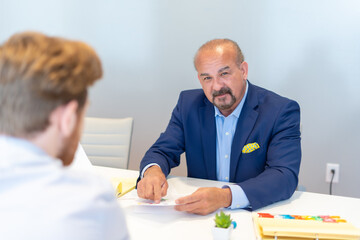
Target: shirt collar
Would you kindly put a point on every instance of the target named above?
(237, 110)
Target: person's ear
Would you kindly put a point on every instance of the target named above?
(69, 118)
(244, 69)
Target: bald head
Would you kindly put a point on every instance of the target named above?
(220, 45)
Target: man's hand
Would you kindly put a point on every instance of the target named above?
(153, 185)
(205, 200)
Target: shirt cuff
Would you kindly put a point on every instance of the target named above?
(239, 199)
(146, 167)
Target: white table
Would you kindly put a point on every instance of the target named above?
(166, 223)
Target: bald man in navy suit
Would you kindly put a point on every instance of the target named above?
(231, 131)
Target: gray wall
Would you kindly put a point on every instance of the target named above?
(306, 50)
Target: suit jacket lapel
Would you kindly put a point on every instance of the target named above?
(244, 127)
(208, 134)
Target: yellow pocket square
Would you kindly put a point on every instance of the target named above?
(248, 148)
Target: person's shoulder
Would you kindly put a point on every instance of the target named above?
(269, 97)
(194, 93)
(192, 96)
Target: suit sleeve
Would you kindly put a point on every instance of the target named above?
(169, 146)
(280, 178)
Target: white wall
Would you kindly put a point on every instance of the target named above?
(306, 50)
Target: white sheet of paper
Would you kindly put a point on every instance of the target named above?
(81, 161)
(164, 202)
(132, 199)
(132, 202)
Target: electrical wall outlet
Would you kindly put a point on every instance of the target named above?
(336, 168)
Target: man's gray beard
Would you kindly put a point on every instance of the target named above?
(224, 90)
(226, 106)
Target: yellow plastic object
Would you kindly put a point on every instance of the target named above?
(123, 185)
(119, 189)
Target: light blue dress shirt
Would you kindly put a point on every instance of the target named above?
(225, 130)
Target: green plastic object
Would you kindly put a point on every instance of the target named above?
(222, 220)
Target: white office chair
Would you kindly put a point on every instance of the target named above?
(107, 141)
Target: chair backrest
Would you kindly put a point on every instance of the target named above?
(107, 141)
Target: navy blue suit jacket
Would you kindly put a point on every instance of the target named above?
(267, 175)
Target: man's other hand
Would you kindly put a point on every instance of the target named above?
(153, 185)
(205, 200)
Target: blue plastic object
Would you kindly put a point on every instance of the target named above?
(234, 224)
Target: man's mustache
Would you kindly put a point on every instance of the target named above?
(222, 91)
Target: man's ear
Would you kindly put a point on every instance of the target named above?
(244, 69)
(68, 118)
